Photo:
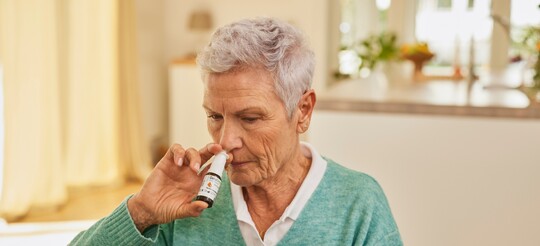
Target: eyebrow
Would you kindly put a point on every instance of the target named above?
(206, 108)
(239, 112)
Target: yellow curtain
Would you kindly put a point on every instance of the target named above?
(32, 149)
(72, 113)
(131, 129)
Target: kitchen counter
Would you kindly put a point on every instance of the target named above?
(436, 97)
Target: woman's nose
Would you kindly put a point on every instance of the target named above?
(230, 136)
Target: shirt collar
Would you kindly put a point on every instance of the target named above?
(310, 183)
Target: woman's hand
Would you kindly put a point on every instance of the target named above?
(168, 192)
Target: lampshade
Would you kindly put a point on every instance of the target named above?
(200, 20)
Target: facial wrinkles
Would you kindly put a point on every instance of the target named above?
(261, 146)
(274, 151)
(271, 153)
(258, 143)
(226, 95)
(272, 141)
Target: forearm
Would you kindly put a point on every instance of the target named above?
(115, 229)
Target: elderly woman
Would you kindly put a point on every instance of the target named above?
(277, 190)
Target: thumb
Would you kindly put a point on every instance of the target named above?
(195, 208)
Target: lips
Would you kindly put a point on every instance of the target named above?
(239, 163)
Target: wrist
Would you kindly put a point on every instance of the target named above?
(139, 214)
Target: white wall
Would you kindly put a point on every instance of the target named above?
(186, 95)
(152, 67)
(449, 180)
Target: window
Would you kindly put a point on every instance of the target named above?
(523, 14)
(359, 19)
(448, 26)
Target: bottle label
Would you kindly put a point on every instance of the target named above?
(210, 186)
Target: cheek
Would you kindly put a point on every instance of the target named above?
(274, 144)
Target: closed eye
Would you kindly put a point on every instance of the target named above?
(250, 119)
(215, 117)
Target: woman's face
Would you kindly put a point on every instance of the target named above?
(249, 120)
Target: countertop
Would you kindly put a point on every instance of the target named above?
(493, 96)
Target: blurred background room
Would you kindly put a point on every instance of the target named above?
(439, 100)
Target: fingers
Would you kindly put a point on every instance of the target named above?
(180, 156)
(176, 154)
(210, 150)
(191, 157)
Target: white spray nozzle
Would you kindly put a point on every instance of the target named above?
(218, 164)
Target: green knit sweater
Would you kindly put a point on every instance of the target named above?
(347, 208)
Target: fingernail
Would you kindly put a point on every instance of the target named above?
(179, 161)
(197, 165)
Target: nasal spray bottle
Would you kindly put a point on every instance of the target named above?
(212, 179)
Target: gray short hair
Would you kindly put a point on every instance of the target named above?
(271, 44)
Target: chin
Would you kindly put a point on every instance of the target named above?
(241, 182)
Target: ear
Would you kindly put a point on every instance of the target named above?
(304, 110)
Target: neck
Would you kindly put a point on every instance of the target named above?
(268, 200)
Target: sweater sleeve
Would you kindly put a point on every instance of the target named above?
(118, 229)
(381, 228)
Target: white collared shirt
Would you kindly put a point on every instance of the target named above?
(280, 227)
